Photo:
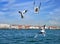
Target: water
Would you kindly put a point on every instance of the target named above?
(27, 37)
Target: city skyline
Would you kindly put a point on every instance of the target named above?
(49, 13)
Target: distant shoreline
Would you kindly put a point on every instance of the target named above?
(25, 29)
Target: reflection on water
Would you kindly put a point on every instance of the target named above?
(27, 37)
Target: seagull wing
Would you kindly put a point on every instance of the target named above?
(24, 11)
(39, 5)
(21, 14)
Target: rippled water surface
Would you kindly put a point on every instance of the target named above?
(14, 36)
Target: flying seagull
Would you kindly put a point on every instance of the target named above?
(36, 8)
(21, 13)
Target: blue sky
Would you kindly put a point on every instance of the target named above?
(49, 13)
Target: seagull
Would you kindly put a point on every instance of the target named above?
(21, 13)
(36, 8)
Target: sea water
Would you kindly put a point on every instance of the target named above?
(26, 36)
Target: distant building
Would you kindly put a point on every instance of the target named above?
(14, 26)
(34, 27)
(53, 27)
(4, 26)
(21, 27)
(27, 27)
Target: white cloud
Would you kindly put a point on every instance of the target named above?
(55, 13)
(54, 16)
(23, 4)
(1, 13)
(10, 1)
(50, 4)
(47, 7)
(44, 0)
(13, 8)
(54, 22)
(12, 11)
(8, 5)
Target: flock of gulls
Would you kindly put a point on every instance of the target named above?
(36, 11)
